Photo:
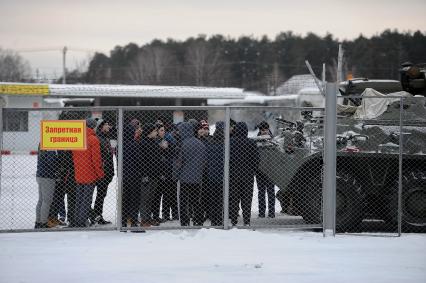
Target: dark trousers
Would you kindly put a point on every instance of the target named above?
(146, 201)
(205, 199)
(265, 186)
(84, 195)
(101, 192)
(131, 200)
(241, 191)
(67, 187)
(157, 195)
(214, 191)
(190, 198)
(169, 188)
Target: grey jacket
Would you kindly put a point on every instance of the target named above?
(192, 156)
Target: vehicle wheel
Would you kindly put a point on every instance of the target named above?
(312, 209)
(310, 200)
(414, 201)
(349, 202)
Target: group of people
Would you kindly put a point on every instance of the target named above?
(75, 174)
(178, 170)
(170, 172)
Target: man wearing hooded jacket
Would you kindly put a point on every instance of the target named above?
(192, 160)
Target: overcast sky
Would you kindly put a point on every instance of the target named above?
(88, 25)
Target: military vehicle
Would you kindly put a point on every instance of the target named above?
(413, 78)
(368, 147)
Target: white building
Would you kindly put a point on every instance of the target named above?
(22, 127)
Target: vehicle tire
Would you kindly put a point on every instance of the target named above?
(414, 201)
(310, 200)
(312, 209)
(349, 202)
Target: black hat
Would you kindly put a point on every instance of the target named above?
(147, 129)
(220, 125)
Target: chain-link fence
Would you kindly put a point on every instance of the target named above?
(218, 167)
(380, 166)
(50, 188)
(240, 166)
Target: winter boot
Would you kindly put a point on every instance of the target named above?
(145, 223)
(62, 221)
(135, 225)
(52, 222)
(44, 226)
(101, 220)
(92, 217)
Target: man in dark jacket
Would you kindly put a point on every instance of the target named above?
(215, 166)
(167, 184)
(150, 172)
(65, 185)
(102, 131)
(264, 184)
(192, 161)
(131, 173)
(244, 161)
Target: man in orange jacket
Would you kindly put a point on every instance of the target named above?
(88, 170)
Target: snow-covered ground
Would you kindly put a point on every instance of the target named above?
(210, 255)
(206, 255)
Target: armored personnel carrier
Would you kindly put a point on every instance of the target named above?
(368, 152)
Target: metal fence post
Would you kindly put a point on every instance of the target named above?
(1, 139)
(120, 167)
(226, 170)
(329, 181)
(401, 108)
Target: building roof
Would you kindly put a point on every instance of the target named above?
(295, 84)
(136, 91)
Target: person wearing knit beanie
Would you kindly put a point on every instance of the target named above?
(91, 123)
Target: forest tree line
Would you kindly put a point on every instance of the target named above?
(251, 63)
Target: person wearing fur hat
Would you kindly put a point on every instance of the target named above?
(103, 131)
(88, 170)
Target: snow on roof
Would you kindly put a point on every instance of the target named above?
(251, 99)
(295, 84)
(146, 91)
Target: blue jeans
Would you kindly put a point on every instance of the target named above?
(84, 193)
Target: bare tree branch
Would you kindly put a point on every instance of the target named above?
(13, 67)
